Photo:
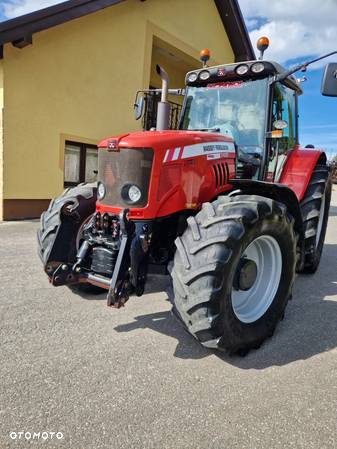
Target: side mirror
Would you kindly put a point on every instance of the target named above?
(329, 80)
(139, 106)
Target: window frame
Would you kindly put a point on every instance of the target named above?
(287, 89)
(273, 152)
(83, 150)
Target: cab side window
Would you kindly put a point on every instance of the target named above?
(284, 109)
(283, 122)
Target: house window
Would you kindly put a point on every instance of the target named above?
(80, 163)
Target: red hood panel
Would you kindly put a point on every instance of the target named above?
(164, 139)
(188, 169)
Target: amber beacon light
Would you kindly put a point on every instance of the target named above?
(205, 54)
(262, 45)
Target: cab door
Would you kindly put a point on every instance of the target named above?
(283, 129)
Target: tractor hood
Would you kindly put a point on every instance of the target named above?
(164, 140)
(165, 171)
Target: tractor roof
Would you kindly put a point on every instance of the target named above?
(228, 72)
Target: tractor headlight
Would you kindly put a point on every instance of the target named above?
(101, 191)
(131, 193)
(242, 69)
(258, 67)
(192, 77)
(204, 75)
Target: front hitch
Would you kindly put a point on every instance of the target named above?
(129, 275)
(120, 287)
(129, 266)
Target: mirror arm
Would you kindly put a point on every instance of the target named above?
(159, 91)
(302, 67)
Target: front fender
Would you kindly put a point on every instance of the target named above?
(277, 192)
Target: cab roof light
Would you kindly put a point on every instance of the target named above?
(192, 77)
(262, 45)
(258, 67)
(242, 69)
(204, 75)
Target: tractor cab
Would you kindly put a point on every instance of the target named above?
(254, 103)
(246, 102)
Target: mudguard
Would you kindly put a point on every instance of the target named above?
(298, 169)
(59, 225)
(277, 192)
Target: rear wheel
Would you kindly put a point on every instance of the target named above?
(315, 213)
(233, 272)
(79, 202)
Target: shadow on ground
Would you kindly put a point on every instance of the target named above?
(309, 327)
(95, 293)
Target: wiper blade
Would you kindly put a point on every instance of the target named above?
(214, 130)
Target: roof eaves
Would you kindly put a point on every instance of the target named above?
(24, 26)
(19, 31)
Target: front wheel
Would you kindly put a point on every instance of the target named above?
(233, 272)
(80, 200)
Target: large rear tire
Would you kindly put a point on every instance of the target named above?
(216, 295)
(80, 202)
(315, 213)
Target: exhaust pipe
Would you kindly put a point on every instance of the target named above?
(163, 112)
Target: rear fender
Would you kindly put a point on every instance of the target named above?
(298, 169)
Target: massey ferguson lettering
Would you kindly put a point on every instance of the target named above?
(216, 148)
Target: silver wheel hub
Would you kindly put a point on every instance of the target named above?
(257, 279)
(246, 274)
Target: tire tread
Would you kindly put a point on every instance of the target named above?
(207, 246)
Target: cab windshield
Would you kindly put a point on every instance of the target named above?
(235, 108)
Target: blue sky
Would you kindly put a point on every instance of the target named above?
(298, 30)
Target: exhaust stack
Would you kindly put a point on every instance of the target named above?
(163, 112)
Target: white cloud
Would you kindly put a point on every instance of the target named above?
(14, 8)
(296, 28)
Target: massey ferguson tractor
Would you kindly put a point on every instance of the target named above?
(228, 205)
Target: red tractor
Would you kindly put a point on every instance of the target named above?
(228, 206)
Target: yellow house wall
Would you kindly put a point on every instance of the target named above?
(77, 81)
(176, 74)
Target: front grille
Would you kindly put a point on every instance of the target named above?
(126, 166)
(221, 174)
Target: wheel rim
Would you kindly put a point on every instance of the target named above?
(250, 305)
(320, 220)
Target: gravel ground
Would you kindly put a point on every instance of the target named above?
(132, 378)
